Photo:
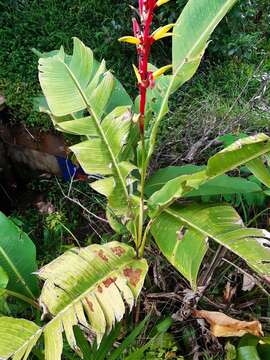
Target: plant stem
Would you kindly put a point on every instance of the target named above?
(141, 211)
(22, 297)
(257, 216)
(143, 241)
(154, 131)
(70, 233)
(143, 57)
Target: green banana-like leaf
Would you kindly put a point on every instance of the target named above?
(221, 185)
(3, 279)
(243, 151)
(258, 169)
(72, 88)
(18, 337)
(240, 152)
(89, 286)
(156, 181)
(199, 222)
(191, 34)
(190, 39)
(18, 258)
(184, 248)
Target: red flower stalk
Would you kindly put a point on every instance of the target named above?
(146, 8)
(143, 41)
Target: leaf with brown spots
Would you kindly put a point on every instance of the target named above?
(118, 250)
(109, 281)
(105, 284)
(133, 275)
(102, 255)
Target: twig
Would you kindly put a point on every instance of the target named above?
(247, 274)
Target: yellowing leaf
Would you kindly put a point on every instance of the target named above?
(222, 325)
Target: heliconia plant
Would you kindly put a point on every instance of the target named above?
(90, 287)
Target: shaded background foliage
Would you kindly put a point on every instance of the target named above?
(240, 43)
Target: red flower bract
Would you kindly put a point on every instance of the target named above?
(143, 40)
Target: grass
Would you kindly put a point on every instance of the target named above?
(221, 98)
(242, 38)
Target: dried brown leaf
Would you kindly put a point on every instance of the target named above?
(222, 325)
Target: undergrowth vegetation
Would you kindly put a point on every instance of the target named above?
(238, 47)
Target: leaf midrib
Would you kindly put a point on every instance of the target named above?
(15, 270)
(82, 296)
(98, 126)
(226, 6)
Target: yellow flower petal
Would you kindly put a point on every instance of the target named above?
(130, 40)
(138, 76)
(161, 71)
(161, 2)
(162, 32)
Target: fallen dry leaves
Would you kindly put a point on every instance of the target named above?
(222, 325)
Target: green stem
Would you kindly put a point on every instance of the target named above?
(257, 216)
(70, 233)
(154, 131)
(22, 297)
(146, 231)
(141, 212)
(100, 130)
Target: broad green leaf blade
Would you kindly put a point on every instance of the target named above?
(93, 157)
(101, 95)
(240, 152)
(162, 176)
(183, 247)
(116, 128)
(18, 337)
(224, 225)
(18, 258)
(248, 353)
(3, 279)
(221, 185)
(62, 83)
(96, 281)
(76, 85)
(84, 126)
(225, 185)
(119, 97)
(175, 189)
(116, 199)
(259, 170)
(190, 39)
(191, 34)
(101, 155)
(264, 351)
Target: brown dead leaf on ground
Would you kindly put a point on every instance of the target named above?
(222, 325)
